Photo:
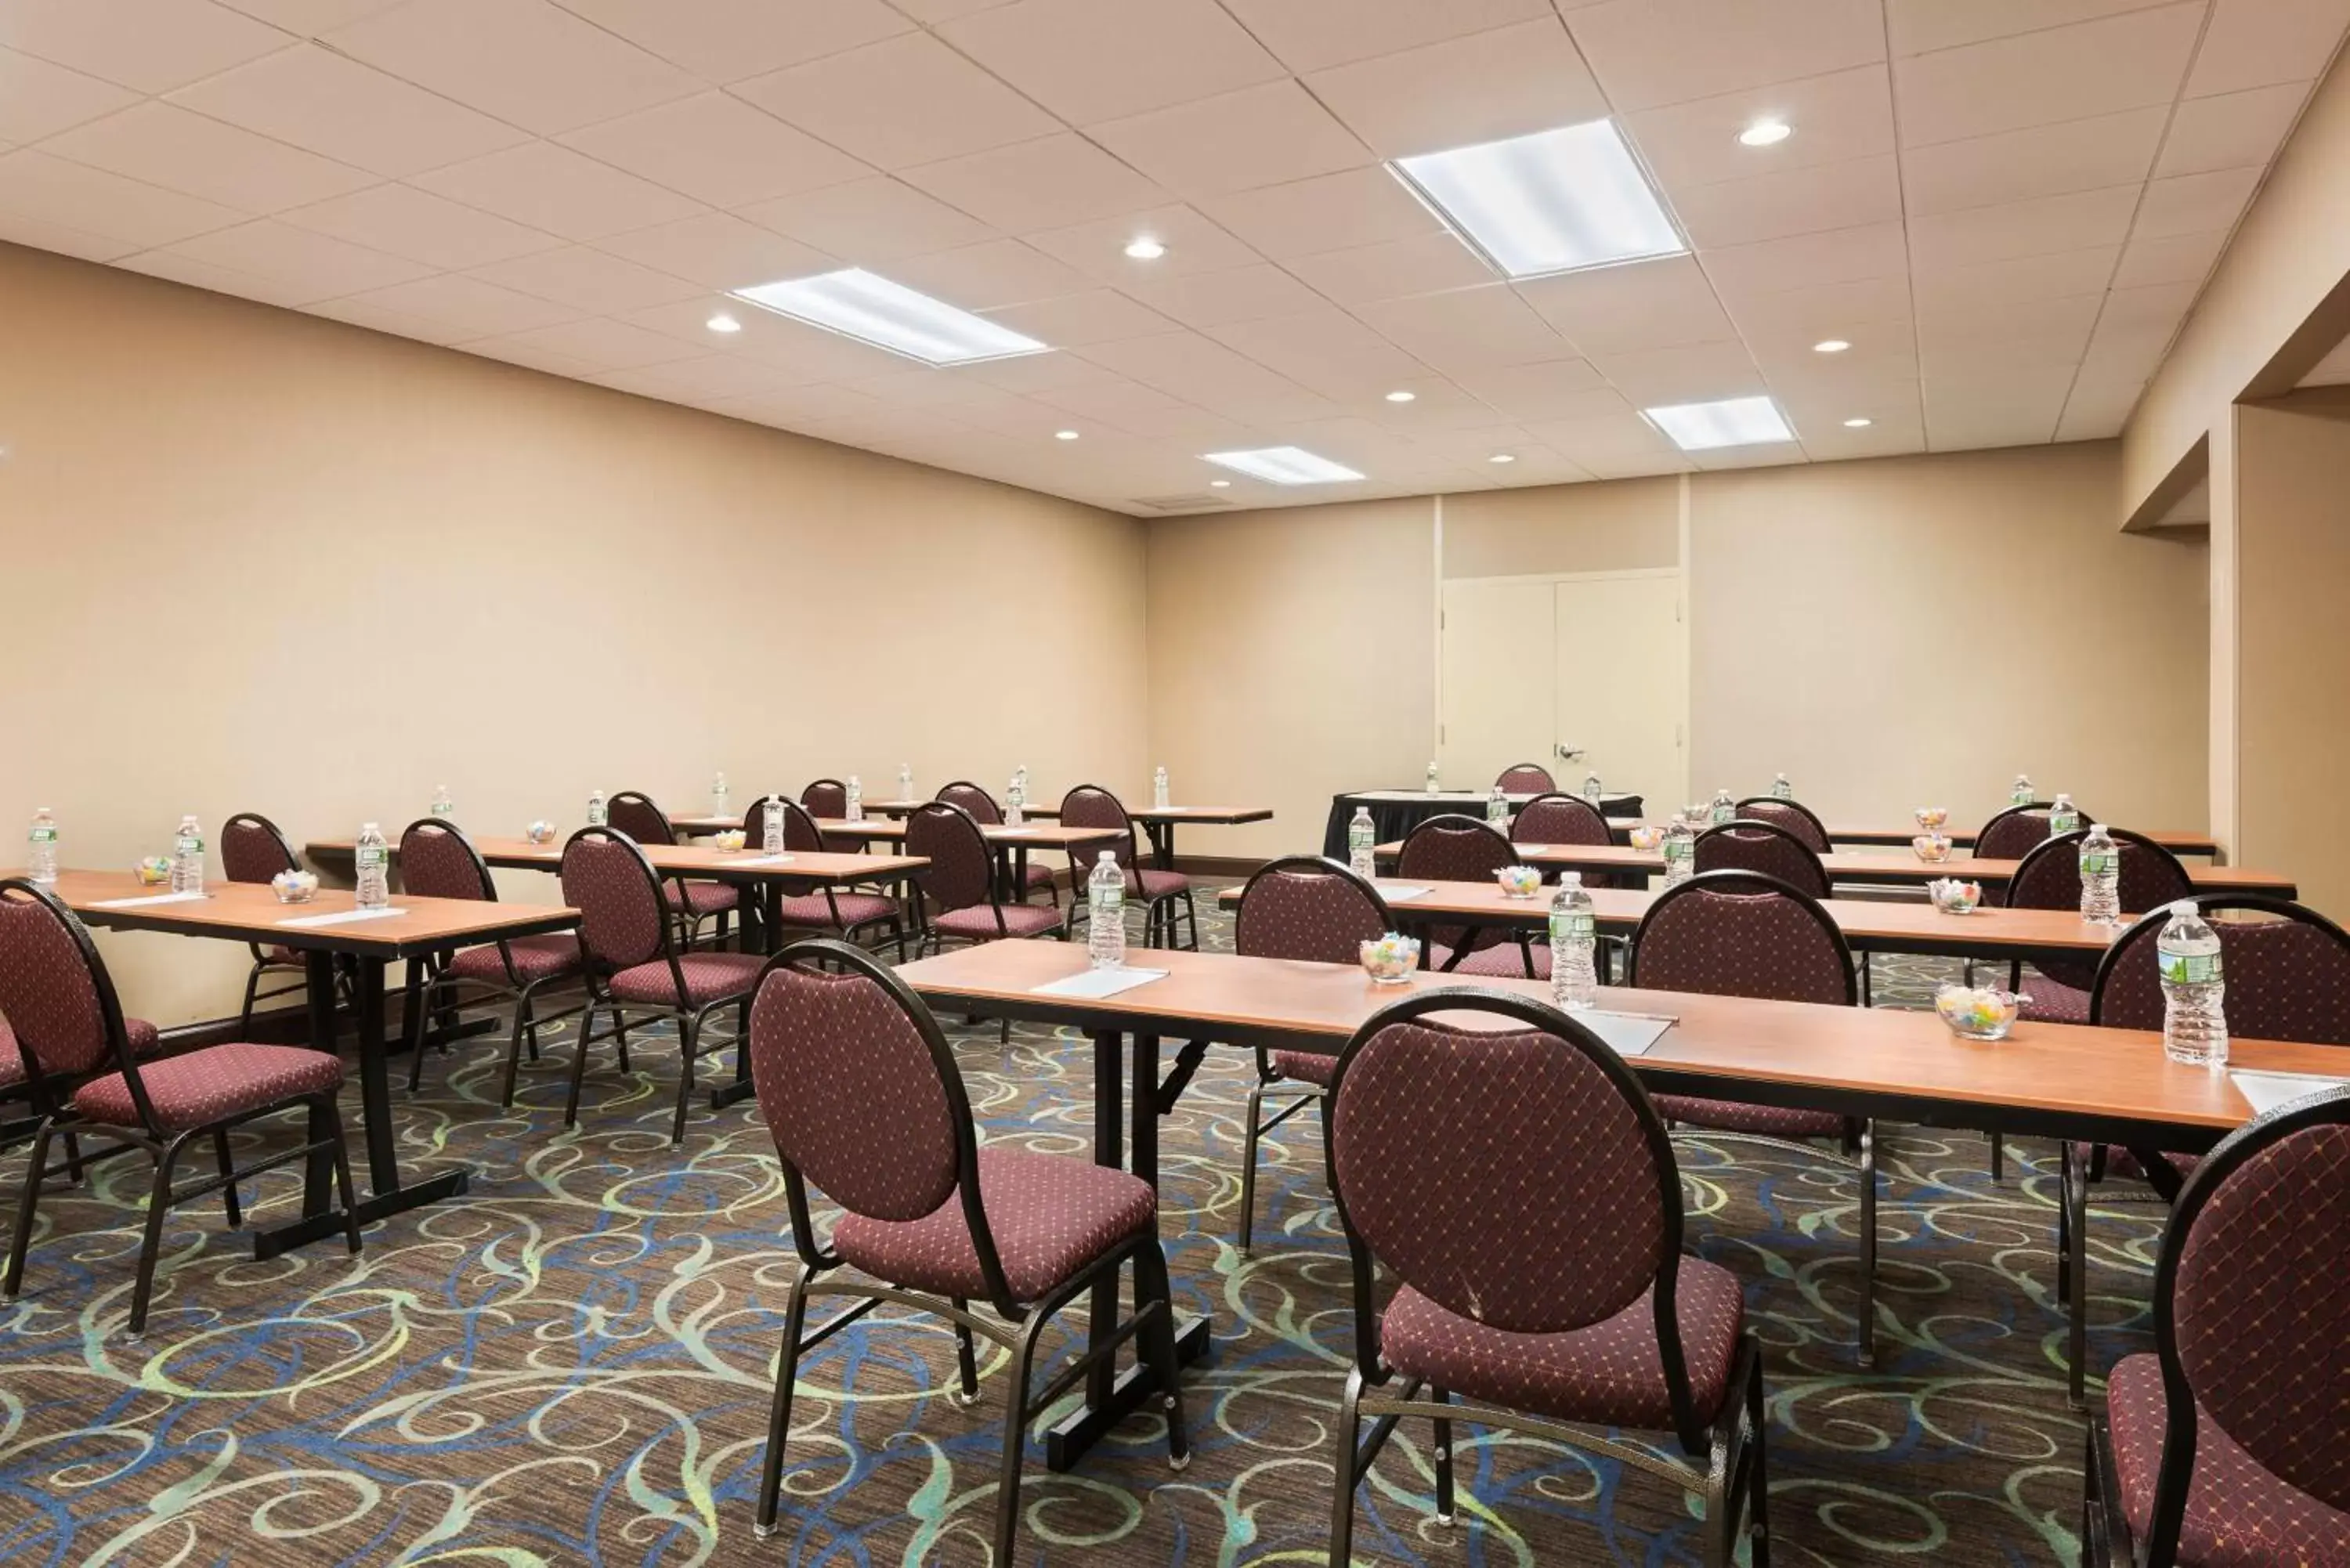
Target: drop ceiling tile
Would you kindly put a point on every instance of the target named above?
(719, 250)
(1037, 374)
(2097, 407)
(1612, 446)
(1311, 34)
(924, 386)
(1892, 410)
(791, 406)
(2194, 203)
(806, 353)
(1426, 264)
(1696, 372)
(1016, 418)
(314, 98)
(1468, 329)
(467, 304)
(1193, 245)
(2013, 408)
(1486, 87)
(2053, 275)
(531, 356)
(1993, 339)
(1095, 315)
(1323, 349)
(406, 222)
(700, 381)
(359, 312)
(1874, 371)
(1775, 205)
(899, 102)
(1873, 314)
(1053, 182)
(606, 345)
(1091, 61)
(727, 40)
(588, 281)
(718, 149)
(1110, 395)
(1799, 261)
(2038, 160)
(560, 191)
(1554, 390)
(2131, 61)
(2125, 350)
(317, 265)
(528, 62)
(1835, 118)
(868, 220)
(2172, 258)
(37, 187)
(1439, 404)
(2235, 130)
(1189, 367)
(1920, 26)
(151, 45)
(2160, 306)
(37, 99)
(1258, 136)
(1333, 212)
(58, 237)
(981, 277)
(2082, 221)
(2261, 43)
(1642, 305)
(218, 279)
(1652, 52)
(182, 151)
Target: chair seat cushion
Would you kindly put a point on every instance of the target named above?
(1503, 960)
(1051, 1216)
(204, 1086)
(977, 923)
(709, 977)
(2240, 1514)
(1039, 877)
(2053, 1001)
(1763, 1121)
(284, 958)
(2123, 1164)
(814, 910)
(534, 959)
(1305, 1066)
(703, 897)
(1608, 1374)
(1155, 884)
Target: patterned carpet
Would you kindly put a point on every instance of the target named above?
(571, 1364)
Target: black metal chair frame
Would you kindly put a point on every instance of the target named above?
(1269, 1079)
(689, 924)
(848, 930)
(1549, 788)
(688, 1017)
(1732, 1481)
(994, 818)
(1467, 937)
(1798, 807)
(2105, 1535)
(2062, 844)
(928, 935)
(1160, 914)
(1752, 825)
(1020, 1325)
(323, 1137)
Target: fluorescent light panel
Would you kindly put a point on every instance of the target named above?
(871, 308)
(1553, 202)
(1283, 465)
(1733, 422)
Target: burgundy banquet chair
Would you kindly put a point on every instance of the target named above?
(2049, 878)
(1791, 816)
(1753, 845)
(1526, 778)
(1091, 806)
(2015, 832)
(632, 812)
(1455, 849)
(983, 810)
(253, 849)
(827, 906)
(954, 895)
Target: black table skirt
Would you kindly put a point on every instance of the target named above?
(1397, 818)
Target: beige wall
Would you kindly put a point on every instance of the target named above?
(1619, 528)
(261, 561)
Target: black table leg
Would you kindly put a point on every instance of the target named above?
(1162, 845)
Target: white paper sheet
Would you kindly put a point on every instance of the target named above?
(763, 860)
(1013, 833)
(2267, 1090)
(147, 898)
(1096, 983)
(343, 916)
(1629, 1033)
(1397, 895)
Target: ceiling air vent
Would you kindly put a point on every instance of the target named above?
(1195, 503)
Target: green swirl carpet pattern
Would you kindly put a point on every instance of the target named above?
(570, 1366)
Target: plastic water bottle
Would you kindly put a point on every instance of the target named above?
(1497, 807)
(1106, 913)
(2101, 879)
(1362, 835)
(1573, 933)
(1591, 791)
(1159, 797)
(442, 804)
(718, 795)
(1780, 789)
(854, 811)
(1681, 851)
(41, 854)
(905, 781)
(188, 858)
(372, 861)
(596, 813)
(1015, 801)
(2021, 792)
(1724, 808)
(771, 828)
(1021, 771)
(1435, 780)
(2194, 1023)
(2063, 816)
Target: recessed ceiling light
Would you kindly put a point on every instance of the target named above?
(721, 322)
(1732, 421)
(1859, 424)
(1766, 133)
(1401, 397)
(1144, 248)
(1219, 485)
(867, 306)
(1065, 435)
(1503, 457)
(1830, 346)
(1553, 202)
(1283, 465)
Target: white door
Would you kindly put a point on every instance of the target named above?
(1498, 662)
(1620, 686)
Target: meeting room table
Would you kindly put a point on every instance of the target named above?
(2177, 843)
(1396, 812)
(327, 930)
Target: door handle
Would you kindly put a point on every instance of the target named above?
(1569, 752)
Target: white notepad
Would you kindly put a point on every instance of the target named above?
(343, 916)
(1627, 1033)
(2267, 1090)
(765, 860)
(1014, 832)
(147, 898)
(1399, 894)
(1097, 983)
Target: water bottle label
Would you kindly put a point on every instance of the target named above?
(2100, 862)
(45, 835)
(2189, 968)
(1572, 926)
(2062, 822)
(371, 856)
(1108, 902)
(190, 844)
(1676, 849)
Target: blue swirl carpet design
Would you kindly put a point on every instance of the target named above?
(570, 1366)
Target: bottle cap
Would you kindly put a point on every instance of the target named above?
(2184, 907)
(1570, 878)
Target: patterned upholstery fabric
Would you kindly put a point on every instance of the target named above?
(1319, 916)
(1762, 945)
(960, 872)
(702, 898)
(1091, 806)
(435, 864)
(709, 977)
(2240, 1514)
(1153, 885)
(1764, 1121)
(639, 818)
(12, 1059)
(2151, 876)
(2051, 1000)
(1456, 850)
(49, 992)
(2287, 979)
(977, 922)
(1611, 1374)
(251, 850)
(826, 798)
(1526, 778)
(852, 1095)
(1734, 848)
(976, 801)
(534, 959)
(1791, 817)
(1306, 1066)
(284, 956)
(1436, 1136)
(211, 1084)
(1050, 1217)
(1559, 819)
(619, 911)
(1503, 960)
(814, 910)
(2013, 834)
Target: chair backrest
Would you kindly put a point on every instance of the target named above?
(1526, 778)
(1454, 848)
(960, 872)
(801, 835)
(2287, 970)
(632, 812)
(1797, 819)
(975, 800)
(1742, 933)
(253, 851)
(2049, 878)
(2014, 833)
(2250, 1318)
(1517, 1176)
(57, 994)
(1559, 819)
(1305, 907)
(623, 918)
(1091, 806)
(861, 1093)
(438, 861)
(826, 798)
(1751, 844)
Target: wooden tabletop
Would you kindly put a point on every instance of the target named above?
(679, 859)
(1048, 834)
(2176, 843)
(250, 911)
(1465, 797)
(1219, 814)
(2054, 1079)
